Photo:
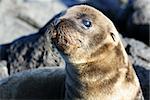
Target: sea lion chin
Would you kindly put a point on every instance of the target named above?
(96, 61)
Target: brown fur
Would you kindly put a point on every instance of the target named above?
(96, 55)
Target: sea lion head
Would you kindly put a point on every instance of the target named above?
(84, 34)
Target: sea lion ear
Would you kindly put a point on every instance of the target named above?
(113, 36)
(113, 32)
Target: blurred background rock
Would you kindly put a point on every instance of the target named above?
(131, 17)
(22, 17)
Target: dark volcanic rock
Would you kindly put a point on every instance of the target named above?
(34, 84)
(138, 25)
(134, 20)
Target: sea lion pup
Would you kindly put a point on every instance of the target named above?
(31, 52)
(97, 66)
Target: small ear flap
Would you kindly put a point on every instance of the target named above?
(113, 36)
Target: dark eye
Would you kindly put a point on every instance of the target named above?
(87, 23)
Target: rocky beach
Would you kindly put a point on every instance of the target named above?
(20, 18)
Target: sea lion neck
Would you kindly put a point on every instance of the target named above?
(80, 78)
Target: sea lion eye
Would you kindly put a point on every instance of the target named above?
(87, 23)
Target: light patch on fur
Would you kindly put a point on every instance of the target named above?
(127, 91)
